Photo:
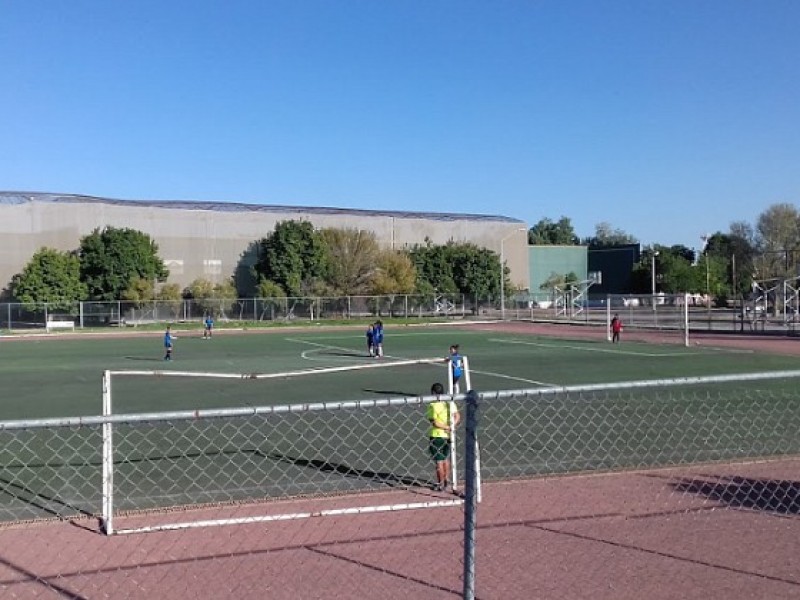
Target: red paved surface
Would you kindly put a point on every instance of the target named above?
(613, 536)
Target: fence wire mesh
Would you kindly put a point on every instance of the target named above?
(669, 463)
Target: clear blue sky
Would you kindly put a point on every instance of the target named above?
(666, 118)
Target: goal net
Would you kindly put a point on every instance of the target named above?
(664, 315)
(263, 463)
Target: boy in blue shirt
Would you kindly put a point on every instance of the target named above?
(168, 344)
(209, 327)
(377, 339)
(371, 340)
(457, 365)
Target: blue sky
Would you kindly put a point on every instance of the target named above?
(667, 119)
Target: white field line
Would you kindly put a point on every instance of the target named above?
(513, 378)
(592, 349)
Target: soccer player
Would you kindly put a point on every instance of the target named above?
(457, 365)
(209, 327)
(168, 337)
(371, 340)
(377, 338)
(441, 414)
(616, 329)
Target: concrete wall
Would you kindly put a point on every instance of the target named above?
(214, 240)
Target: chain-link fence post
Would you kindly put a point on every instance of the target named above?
(470, 493)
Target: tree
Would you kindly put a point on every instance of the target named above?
(777, 240)
(352, 256)
(434, 269)
(139, 291)
(211, 298)
(292, 253)
(50, 276)
(111, 259)
(548, 233)
(395, 274)
(475, 270)
(606, 236)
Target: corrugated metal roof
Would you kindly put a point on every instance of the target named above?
(10, 198)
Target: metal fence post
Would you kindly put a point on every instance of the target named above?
(470, 493)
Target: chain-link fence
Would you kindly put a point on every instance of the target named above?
(335, 500)
(20, 316)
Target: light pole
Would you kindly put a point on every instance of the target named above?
(503, 274)
(653, 279)
(708, 285)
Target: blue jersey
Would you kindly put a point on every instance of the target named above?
(378, 334)
(370, 335)
(168, 340)
(209, 323)
(457, 364)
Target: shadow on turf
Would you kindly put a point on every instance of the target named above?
(390, 479)
(773, 495)
(390, 392)
(45, 503)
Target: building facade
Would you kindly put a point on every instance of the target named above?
(217, 241)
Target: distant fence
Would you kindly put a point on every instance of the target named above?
(124, 313)
(637, 311)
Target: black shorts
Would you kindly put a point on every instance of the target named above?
(439, 448)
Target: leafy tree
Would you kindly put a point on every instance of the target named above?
(434, 269)
(139, 291)
(170, 292)
(209, 297)
(50, 276)
(269, 289)
(607, 236)
(395, 274)
(548, 233)
(271, 292)
(352, 260)
(458, 268)
(559, 280)
(475, 270)
(111, 259)
(777, 240)
(735, 252)
(290, 255)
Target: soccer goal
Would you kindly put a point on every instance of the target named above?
(664, 315)
(260, 463)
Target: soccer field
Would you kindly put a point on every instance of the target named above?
(61, 377)
(170, 462)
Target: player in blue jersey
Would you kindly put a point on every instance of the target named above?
(208, 327)
(457, 365)
(377, 338)
(168, 338)
(371, 340)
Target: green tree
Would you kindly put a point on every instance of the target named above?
(210, 298)
(139, 290)
(434, 269)
(395, 274)
(458, 268)
(777, 242)
(291, 254)
(606, 236)
(476, 270)
(111, 259)
(50, 276)
(352, 257)
(548, 233)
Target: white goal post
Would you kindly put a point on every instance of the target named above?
(154, 463)
(665, 313)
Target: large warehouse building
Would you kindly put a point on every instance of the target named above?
(216, 241)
